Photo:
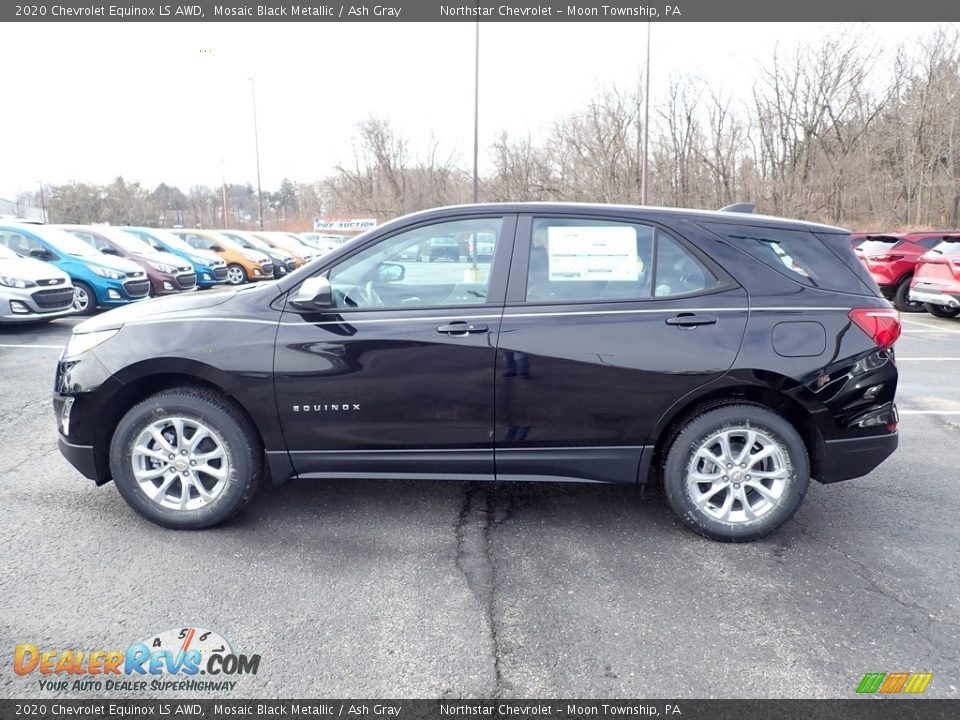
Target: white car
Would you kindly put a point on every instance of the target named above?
(31, 290)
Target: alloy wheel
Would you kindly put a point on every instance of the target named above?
(235, 275)
(738, 475)
(180, 463)
(81, 300)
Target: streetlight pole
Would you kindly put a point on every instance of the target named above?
(476, 113)
(43, 203)
(256, 144)
(646, 125)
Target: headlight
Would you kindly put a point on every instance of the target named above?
(107, 272)
(15, 282)
(80, 343)
(169, 269)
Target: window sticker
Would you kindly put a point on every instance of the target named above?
(593, 253)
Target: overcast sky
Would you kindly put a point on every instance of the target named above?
(166, 102)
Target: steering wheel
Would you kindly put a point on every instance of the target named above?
(365, 296)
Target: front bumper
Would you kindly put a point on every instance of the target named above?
(80, 456)
(32, 304)
(210, 276)
(926, 295)
(855, 457)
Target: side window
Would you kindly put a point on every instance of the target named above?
(583, 260)
(93, 241)
(20, 243)
(435, 265)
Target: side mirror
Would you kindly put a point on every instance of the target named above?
(41, 253)
(314, 294)
(391, 272)
(109, 251)
(215, 248)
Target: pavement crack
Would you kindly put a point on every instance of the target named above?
(475, 560)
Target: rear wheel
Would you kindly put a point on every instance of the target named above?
(941, 311)
(236, 275)
(84, 299)
(186, 458)
(736, 473)
(901, 298)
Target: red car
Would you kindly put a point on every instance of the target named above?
(936, 280)
(891, 258)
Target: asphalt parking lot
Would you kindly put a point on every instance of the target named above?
(412, 589)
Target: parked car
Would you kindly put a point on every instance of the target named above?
(602, 344)
(283, 262)
(168, 274)
(936, 280)
(242, 265)
(287, 242)
(891, 259)
(323, 243)
(209, 269)
(446, 247)
(99, 281)
(31, 290)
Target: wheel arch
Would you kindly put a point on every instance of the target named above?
(765, 389)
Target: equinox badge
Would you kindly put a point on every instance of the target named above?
(326, 408)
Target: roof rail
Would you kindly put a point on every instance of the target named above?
(747, 208)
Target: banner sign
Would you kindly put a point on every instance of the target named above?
(344, 224)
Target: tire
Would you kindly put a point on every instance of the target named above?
(84, 299)
(940, 311)
(722, 515)
(236, 275)
(233, 478)
(901, 298)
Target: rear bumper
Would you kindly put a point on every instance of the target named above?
(855, 457)
(80, 456)
(950, 300)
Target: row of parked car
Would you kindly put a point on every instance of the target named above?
(916, 271)
(48, 271)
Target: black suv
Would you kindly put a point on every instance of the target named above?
(728, 356)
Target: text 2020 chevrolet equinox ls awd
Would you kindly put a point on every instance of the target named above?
(729, 356)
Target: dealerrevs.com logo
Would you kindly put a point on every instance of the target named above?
(187, 658)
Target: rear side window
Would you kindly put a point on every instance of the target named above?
(878, 245)
(797, 254)
(948, 247)
(585, 260)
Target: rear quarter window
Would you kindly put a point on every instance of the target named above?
(797, 254)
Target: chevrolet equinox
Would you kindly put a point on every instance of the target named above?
(727, 356)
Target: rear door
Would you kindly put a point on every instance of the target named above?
(607, 323)
(396, 379)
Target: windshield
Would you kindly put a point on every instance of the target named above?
(129, 242)
(169, 239)
(248, 241)
(64, 242)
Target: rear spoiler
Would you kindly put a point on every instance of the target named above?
(747, 208)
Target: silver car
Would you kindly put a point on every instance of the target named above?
(32, 291)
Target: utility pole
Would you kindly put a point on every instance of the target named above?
(476, 113)
(223, 185)
(43, 203)
(646, 126)
(256, 144)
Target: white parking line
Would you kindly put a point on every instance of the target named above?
(928, 412)
(938, 328)
(935, 359)
(39, 347)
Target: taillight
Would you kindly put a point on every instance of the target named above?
(886, 258)
(955, 267)
(881, 324)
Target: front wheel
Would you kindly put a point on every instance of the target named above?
(941, 311)
(84, 299)
(736, 473)
(236, 275)
(186, 458)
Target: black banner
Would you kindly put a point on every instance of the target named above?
(855, 709)
(486, 11)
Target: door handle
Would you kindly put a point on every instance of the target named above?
(689, 320)
(459, 327)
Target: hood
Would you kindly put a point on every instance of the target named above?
(167, 259)
(34, 270)
(258, 256)
(168, 305)
(111, 262)
(279, 254)
(204, 257)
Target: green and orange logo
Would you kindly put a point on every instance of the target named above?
(892, 683)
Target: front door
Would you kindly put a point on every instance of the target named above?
(396, 378)
(607, 323)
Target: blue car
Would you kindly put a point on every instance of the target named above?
(99, 280)
(210, 269)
